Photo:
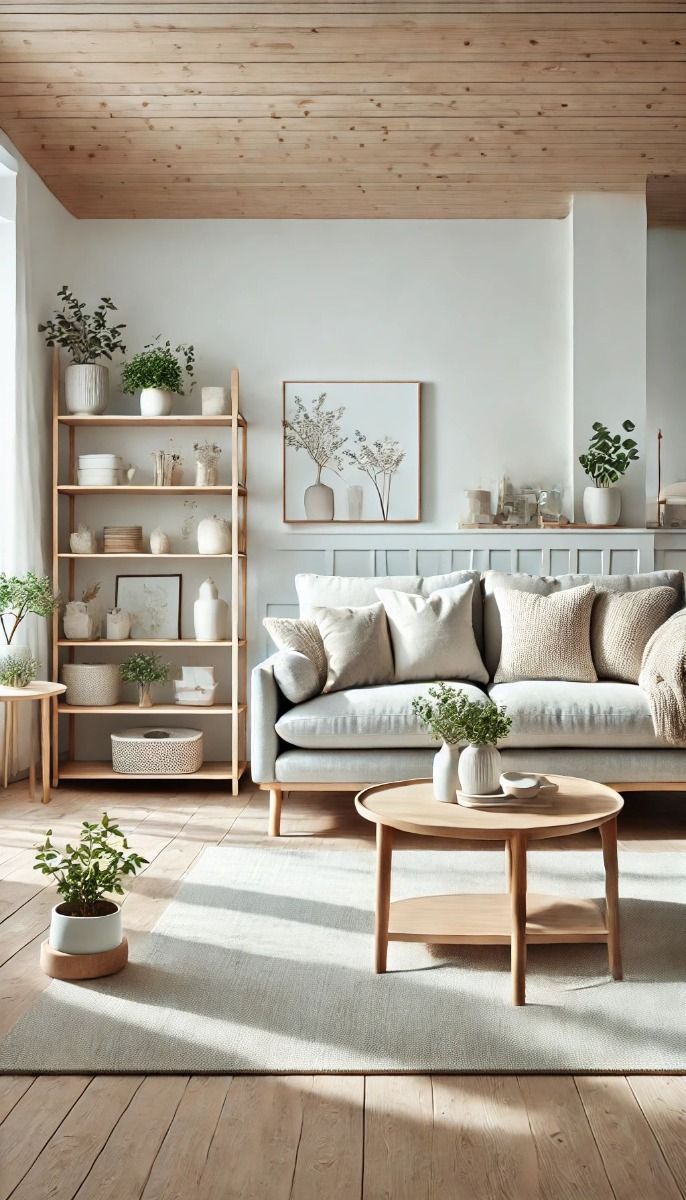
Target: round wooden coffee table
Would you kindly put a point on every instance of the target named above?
(515, 917)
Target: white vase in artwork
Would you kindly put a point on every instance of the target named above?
(210, 614)
(319, 502)
(159, 542)
(79, 625)
(355, 497)
(214, 401)
(86, 388)
(118, 625)
(214, 536)
(83, 541)
(479, 770)
(445, 774)
(156, 402)
(602, 505)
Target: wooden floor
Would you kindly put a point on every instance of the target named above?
(307, 1137)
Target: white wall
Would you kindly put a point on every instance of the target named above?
(666, 354)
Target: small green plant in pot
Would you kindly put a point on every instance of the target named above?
(606, 461)
(144, 669)
(87, 337)
(20, 596)
(158, 371)
(449, 715)
(88, 875)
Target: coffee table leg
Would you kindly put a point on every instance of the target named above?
(608, 834)
(384, 850)
(508, 865)
(518, 895)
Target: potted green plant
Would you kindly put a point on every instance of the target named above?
(87, 337)
(19, 596)
(144, 669)
(87, 920)
(607, 459)
(159, 373)
(450, 715)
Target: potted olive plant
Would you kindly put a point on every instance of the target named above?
(159, 373)
(451, 717)
(21, 595)
(87, 920)
(87, 337)
(607, 459)
(144, 669)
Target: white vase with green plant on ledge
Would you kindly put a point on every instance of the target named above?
(449, 715)
(158, 372)
(87, 338)
(606, 461)
(144, 670)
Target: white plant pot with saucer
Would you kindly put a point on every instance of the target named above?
(446, 778)
(479, 770)
(602, 505)
(156, 402)
(72, 934)
(86, 388)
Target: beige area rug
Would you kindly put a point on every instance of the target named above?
(262, 963)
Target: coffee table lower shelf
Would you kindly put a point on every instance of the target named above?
(486, 920)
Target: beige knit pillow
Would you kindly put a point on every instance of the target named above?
(289, 633)
(357, 645)
(546, 637)
(621, 627)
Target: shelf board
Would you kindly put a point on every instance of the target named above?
(77, 769)
(99, 642)
(125, 419)
(157, 710)
(148, 489)
(145, 554)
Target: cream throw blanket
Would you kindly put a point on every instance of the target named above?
(663, 677)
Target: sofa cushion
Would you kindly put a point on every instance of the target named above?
(621, 627)
(302, 637)
(357, 646)
(549, 713)
(433, 636)
(545, 637)
(544, 585)
(362, 718)
(296, 676)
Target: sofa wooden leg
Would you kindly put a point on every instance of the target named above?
(275, 798)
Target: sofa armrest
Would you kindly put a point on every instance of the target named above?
(266, 705)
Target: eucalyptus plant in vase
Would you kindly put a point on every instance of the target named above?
(606, 461)
(87, 337)
(450, 716)
(144, 670)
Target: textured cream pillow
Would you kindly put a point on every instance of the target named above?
(433, 637)
(303, 636)
(621, 627)
(546, 637)
(357, 646)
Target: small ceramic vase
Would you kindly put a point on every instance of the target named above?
(83, 541)
(319, 502)
(214, 536)
(156, 402)
(445, 774)
(214, 401)
(479, 770)
(210, 614)
(118, 625)
(159, 542)
(79, 625)
(355, 495)
(144, 697)
(206, 474)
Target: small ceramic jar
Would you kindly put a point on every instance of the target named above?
(79, 625)
(214, 536)
(118, 625)
(83, 541)
(159, 542)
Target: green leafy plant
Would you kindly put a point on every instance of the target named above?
(144, 669)
(18, 669)
(159, 366)
(21, 595)
(87, 873)
(87, 336)
(452, 717)
(608, 457)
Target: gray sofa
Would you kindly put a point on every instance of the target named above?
(345, 740)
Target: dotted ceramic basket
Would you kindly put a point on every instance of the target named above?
(95, 684)
(157, 751)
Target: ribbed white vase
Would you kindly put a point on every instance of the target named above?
(479, 770)
(86, 388)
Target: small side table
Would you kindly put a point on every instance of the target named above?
(45, 694)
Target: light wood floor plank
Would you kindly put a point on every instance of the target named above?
(570, 1166)
(482, 1145)
(398, 1137)
(31, 1124)
(177, 1169)
(663, 1101)
(12, 1088)
(329, 1161)
(633, 1160)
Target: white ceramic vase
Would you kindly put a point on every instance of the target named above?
(602, 505)
(83, 541)
(118, 625)
(214, 401)
(445, 774)
(86, 388)
(156, 402)
(479, 770)
(79, 624)
(159, 542)
(319, 502)
(206, 473)
(355, 495)
(214, 536)
(86, 935)
(210, 614)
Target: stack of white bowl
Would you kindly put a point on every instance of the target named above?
(100, 470)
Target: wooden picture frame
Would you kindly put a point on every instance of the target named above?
(169, 625)
(370, 435)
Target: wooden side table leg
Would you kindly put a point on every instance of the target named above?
(45, 747)
(32, 755)
(384, 851)
(6, 743)
(608, 835)
(518, 894)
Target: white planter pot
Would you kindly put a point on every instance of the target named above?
(214, 536)
(214, 401)
(91, 683)
(479, 770)
(445, 774)
(85, 935)
(319, 502)
(156, 402)
(86, 388)
(210, 614)
(602, 506)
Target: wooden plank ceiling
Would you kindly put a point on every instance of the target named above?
(347, 108)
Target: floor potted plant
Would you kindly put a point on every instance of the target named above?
(158, 371)
(606, 461)
(144, 669)
(87, 920)
(21, 595)
(87, 338)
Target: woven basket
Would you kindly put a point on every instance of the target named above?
(157, 750)
(91, 683)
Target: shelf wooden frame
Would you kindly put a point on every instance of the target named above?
(234, 712)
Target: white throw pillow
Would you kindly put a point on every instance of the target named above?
(357, 646)
(546, 637)
(304, 638)
(433, 637)
(296, 676)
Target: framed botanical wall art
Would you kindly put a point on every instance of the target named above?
(351, 451)
(154, 604)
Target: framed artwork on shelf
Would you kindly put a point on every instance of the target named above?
(154, 605)
(351, 451)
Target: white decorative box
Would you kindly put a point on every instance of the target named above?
(196, 686)
(157, 750)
